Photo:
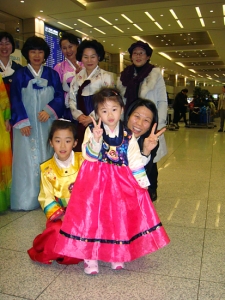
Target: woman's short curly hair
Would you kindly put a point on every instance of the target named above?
(8, 37)
(90, 44)
(35, 43)
(68, 37)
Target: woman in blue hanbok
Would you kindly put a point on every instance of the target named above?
(37, 99)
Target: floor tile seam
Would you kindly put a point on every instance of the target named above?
(164, 275)
(17, 297)
(52, 281)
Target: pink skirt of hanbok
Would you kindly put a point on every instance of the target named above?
(109, 217)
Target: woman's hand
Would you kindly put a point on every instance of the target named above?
(152, 140)
(97, 130)
(43, 116)
(25, 131)
(7, 126)
(84, 120)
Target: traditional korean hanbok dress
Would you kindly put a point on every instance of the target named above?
(5, 150)
(67, 72)
(30, 94)
(110, 216)
(82, 89)
(57, 180)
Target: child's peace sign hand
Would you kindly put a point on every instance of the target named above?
(97, 130)
(152, 140)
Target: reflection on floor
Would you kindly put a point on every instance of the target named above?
(191, 206)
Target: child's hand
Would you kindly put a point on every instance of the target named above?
(97, 130)
(152, 140)
(43, 116)
(25, 131)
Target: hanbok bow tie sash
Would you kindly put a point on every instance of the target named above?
(80, 102)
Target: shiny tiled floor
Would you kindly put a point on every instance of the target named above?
(190, 204)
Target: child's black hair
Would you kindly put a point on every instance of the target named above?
(112, 94)
(62, 125)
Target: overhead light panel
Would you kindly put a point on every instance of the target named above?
(180, 24)
(192, 70)
(65, 25)
(150, 16)
(202, 22)
(180, 64)
(99, 30)
(165, 55)
(138, 38)
(198, 12)
(138, 27)
(125, 17)
(173, 14)
(85, 23)
(103, 19)
(117, 28)
(81, 32)
(157, 24)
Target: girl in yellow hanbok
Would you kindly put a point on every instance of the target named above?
(5, 149)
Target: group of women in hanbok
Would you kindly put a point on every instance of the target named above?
(38, 96)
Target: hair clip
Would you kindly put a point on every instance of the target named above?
(61, 119)
(115, 93)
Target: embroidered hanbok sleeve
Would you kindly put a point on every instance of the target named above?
(90, 148)
(73, 98)
(52, 209)
(55, 107)
(4, 104)
(136, 164)
(19, 118)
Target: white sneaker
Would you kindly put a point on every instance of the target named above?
(117, 265)
(90, 266)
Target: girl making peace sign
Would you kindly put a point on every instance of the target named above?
(110, 216)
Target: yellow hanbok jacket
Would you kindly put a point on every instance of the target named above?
(56, 186)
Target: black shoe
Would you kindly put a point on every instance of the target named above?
(153, 195)
(220, 130)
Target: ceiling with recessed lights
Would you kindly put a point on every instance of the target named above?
(187, 37)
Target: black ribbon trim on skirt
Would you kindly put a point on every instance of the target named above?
(111, 241)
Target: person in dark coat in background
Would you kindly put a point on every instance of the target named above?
(180, 107)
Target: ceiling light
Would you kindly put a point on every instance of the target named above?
(99, 30)
(84, 22)
(138, 38)
(138, 27)
(150, 16)
(82, 2)
(105, 20)
(81, 32)
(213, 22)
(118, 29)
(65, 25)
(41, 10)
(157, 24)
(180, 64)
(165, 55)
(224, 9)
(216, 75)
(191, 70)
(125, 17)
(173, 14)
(198, 12)
(202, 22)
(211, 10)
(22, 1)
(180, 24)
